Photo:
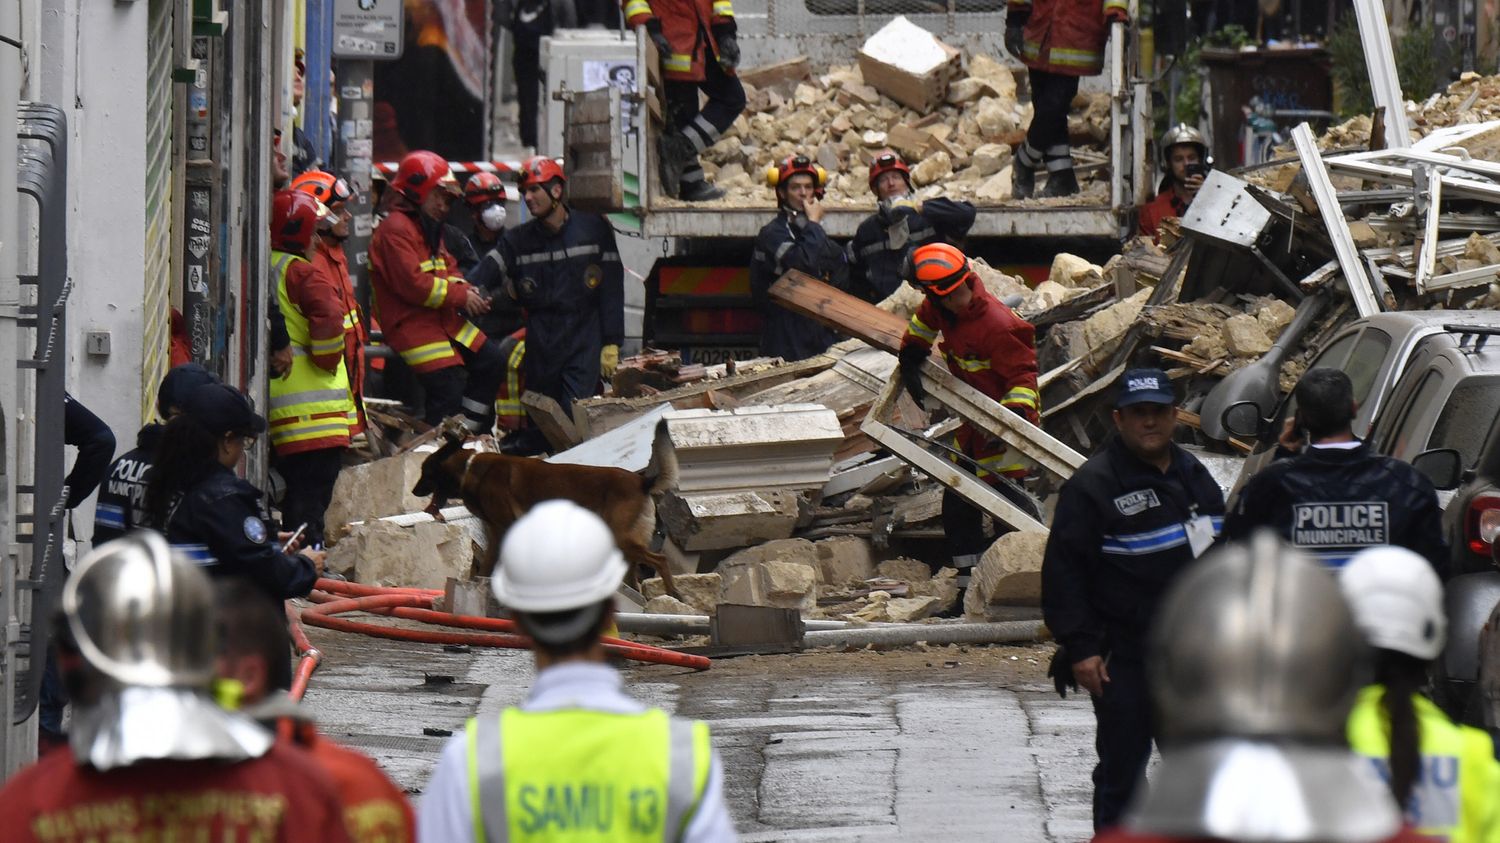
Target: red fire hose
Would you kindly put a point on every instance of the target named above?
(337, 597)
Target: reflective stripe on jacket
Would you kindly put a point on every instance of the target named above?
(581, 775)
(330, 259)
(1066, 37)
(311, 407)
(418, 295)
(688, 25)
(1454, 798)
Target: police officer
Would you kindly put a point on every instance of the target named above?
(150, 755)
(1255, 663)
(901, 223)
(207, 512)
(1329, 494)
(1126, 524)
(794, 240)
(1444, 774)
(577, 737)
(562, 267)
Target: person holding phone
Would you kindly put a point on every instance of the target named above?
(1184, 157)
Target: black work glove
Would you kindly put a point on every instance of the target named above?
(912, 357)
(1015, 23)
(663, 46)
(729, 45)
(1061, 671)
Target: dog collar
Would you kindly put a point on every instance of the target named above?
(467, 463)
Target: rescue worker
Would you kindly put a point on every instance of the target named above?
(1184, 156)
(987, 346)
(312, 405)
(563, 269)
(901, 223)
(795, 239)
(254, 675)
(122, 498)
(1125, 526)
(529, 22)
(485, 196)
(1059, 41)
(1255, 663)
(150, 756)
(699, 48)
(329, 258)
(209, 514)
(1445, 775)
(577, 737)
(419, 299)
(1329, 494)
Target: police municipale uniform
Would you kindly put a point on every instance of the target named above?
(446, 810)
(122, 496)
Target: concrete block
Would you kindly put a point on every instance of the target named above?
(421, 556)
(666, 604)
(700, 591)
(715, 520)
(800, 551)
(790, 585)
(1009, 573)
(1072, 271)
(906, 570)
(883, 608)
(845, 560)
(1275, 316)
(943, 588)
(374, 490)
(760, 448)
(473, 598)
(1110, 323)
(1244, 336)
(780, 573)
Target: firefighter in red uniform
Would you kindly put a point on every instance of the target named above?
(420, 299)
(1058, 41)
(699, 50)
(330, 259)
(1184, 155)
(987, 346)
(150, 755)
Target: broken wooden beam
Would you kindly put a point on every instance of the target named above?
(824, 303)
(551, 420)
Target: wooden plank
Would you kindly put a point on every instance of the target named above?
(550, 418)
(1071, 309)
(767, 75)
(803, 294)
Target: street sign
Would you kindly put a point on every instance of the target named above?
(367, 29)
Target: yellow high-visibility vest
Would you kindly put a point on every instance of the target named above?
(309, 394)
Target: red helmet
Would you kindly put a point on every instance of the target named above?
(886, 161)
(779, 175)
(937, 268)
(294, 220)
(483, 188)
(420, 172)
(541, 170)
(324, 187)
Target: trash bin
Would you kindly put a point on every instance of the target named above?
(1283, 79)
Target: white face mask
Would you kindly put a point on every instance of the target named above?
(493, 217)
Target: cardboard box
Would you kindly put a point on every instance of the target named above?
(923, 93)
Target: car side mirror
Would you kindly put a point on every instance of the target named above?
(1242, 418)
(1443, 466)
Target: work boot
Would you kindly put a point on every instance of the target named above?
(1022, 179)
(676, 153)
(1059, 183)
(699, 191)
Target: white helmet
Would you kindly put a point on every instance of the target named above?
(1397, 600)
(558, 557)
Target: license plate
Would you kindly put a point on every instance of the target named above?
(715, 356)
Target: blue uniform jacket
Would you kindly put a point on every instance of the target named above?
(96, 447)
(571, 285)
(219, 525)
(1118, 540)
(121, 505)
(783, 244)
(886, 237)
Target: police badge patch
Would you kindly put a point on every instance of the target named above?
(1137, 502)
(255, 529)
(592, 275)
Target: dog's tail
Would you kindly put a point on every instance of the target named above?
(661, 472)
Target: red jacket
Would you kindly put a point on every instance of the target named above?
(682, 21)
(1166, 204)
(281, 796)
(1067, 37)
(375, 810)
(331, 260)
(418, 295)
(990, 348)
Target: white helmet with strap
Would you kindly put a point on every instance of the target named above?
(558, 558)
(1397, 600)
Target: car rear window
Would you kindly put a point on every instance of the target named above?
(1464, 422)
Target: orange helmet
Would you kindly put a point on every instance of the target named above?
(885, 161)
(936, 268)
(779, 175)
(420, 172)
(541, 170)
(324, 187)
(294, 220)
(483, 188)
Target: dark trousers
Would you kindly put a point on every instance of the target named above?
(469, 389)
(1123, 740)
(53, 699)
(1051, 100)
(525, 62)
(726, 101)
(963, 524)
(309, 477)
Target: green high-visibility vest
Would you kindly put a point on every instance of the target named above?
(1457, 793)
(308, 393)
(584, 776)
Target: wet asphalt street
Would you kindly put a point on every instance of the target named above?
(950, 744)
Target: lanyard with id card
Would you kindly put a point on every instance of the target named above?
(1200, 534)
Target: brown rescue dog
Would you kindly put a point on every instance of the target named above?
(499, 489)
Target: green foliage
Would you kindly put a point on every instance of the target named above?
(1415, 66)
(1189, 103)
